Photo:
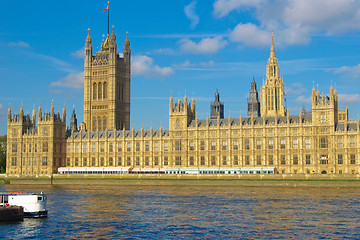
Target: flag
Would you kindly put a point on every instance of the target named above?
(107, 8)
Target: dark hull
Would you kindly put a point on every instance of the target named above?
(9, 214)
(41, 214)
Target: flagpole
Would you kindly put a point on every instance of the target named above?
(108, 17)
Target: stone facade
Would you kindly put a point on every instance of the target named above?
(320, 141)
(107, 85)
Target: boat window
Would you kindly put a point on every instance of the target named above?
(5, 199)
(40, 198)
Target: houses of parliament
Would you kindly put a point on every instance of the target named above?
(323, 140)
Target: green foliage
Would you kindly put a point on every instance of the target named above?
(3, 141)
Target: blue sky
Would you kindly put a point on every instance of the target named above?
(198, 46)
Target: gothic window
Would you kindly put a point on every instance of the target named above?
(99, 91)
(236, 145)
(147, 147)
(213, 145)
(340, 143)
(340, 159)
(323, 118)
(247, 144)
(271, 144)
(224, 144)
(178, 146)
(192, 146)
(94, 91)
(307, 143)
(323, 142)
(178, 123)
(307, 159)
(104, 124)
(94, 124)
(258, 144)
(105, 90)
(295, 143)
(352, 142)
(85, 148)
(99, 124)
(14, 147)
(295, 159)
(138, 147)
(44, 161)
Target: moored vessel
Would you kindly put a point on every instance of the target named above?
(34, 204)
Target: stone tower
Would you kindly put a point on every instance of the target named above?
(73, 121)
(273, 94)
(217, 107)
(181, 113)
(253, 103)
(107, 85)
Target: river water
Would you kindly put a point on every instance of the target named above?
(191, 212)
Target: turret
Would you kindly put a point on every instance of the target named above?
(39, 113)
(64, 114)
(33, 116)
(9, 114)
(171, 103)
(127, 51)
(253, 102)
(217, 107)
(193, 104)
(52, 112)
(21, 113)
(73, 121)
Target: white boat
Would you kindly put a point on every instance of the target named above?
(34, 204)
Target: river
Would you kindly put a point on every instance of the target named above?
(190, 212)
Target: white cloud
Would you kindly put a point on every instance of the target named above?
(144, 65)
(208, 64)
(353, 72)
(205, 46)
(185, 64)
(349, 98)
(19, 44)
(72, 80)
(295, 89)
(303, 99)
(294, 22)
(165, 51)
(224, 7)
(79, 53)
(250, 34)
(191, 15)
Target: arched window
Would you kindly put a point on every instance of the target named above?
(94, 124)
(104, 124)
(99, 124)
(99, 91)
(105, 90)
(94, 91)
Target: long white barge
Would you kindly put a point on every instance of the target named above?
(34, 204)
(170, 170)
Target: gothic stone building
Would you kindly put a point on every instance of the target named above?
(320, 141)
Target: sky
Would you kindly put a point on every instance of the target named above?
(180, 46)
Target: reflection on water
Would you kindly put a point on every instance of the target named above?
(195, 212)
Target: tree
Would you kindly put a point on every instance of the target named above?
(3, 141)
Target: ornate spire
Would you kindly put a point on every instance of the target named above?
(9, 113)
(64, 114)
(112, 36)
(127, 42)
(272, 50)
(88, 38)
(21, 110)
(52, 112)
